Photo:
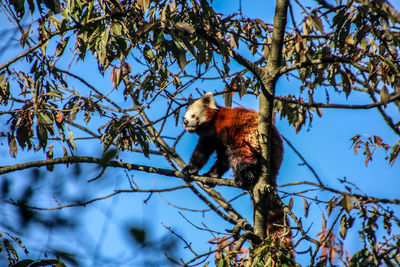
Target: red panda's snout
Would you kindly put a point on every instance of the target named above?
(189, 125)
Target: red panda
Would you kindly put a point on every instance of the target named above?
(232, 133)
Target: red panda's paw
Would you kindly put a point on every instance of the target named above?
(189, 170)
(212, 174)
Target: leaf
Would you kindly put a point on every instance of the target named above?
(31, 6)
(12, 143)
(323, 226)
(395, 152)
(179, 53)
(319, 111)
(59, 117)
(116, 77)
(138, 234)
(290, 205)
(24, 263)
(306, 207)
(116, 29)
(49, 155)
(19, 8)
(317, 22)
(53, 5)
(378, 140)
(148, 54)
(109, 155)
(71, 139)
(44, 118)
(357, 146)
(184, 26)
(347, 203)
(343, 227)
(42, 135)
(143, 4)
(61, 46)
(25, 36)
(346, 83)
(55, 22)
(177, 116)
(384, 95)
(65, 152)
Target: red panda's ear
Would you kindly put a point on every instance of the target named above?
(209, 101)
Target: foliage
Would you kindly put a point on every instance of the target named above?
(151, 56)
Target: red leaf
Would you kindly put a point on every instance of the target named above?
(59, 117)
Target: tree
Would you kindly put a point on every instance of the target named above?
(151, 56)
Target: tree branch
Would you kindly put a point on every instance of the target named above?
(85, 203)
(340, 106)
(115, 164)
(308, 63)
(365, 198)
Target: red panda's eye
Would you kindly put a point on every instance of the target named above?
(192, 115)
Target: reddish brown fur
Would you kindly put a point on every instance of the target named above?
(237, 128)
(233, 134)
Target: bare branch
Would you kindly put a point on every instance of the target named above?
(85, 203)
(115, 164)
(366, 198)
(340, 106)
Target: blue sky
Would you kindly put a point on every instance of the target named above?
(326, 146)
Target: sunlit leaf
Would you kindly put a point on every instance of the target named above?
(184, 26)
(12, 144)
(395, 152)
(347, 203)
(384, 95)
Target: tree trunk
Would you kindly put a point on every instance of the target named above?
(266, 101)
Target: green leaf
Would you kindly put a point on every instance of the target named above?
(109, 155)
(71, 140)
(12, 143)
(186, 27)
(41, 133)
(180, 54)
(306, 207)
(317, 22)
(61, 46)
(395, 152)
(343, 227)
(55, 22)
(347, 203)
(148, 54)
(116, 28)
(143, 4)
(44, 118)
(19, 7)
(53, 5)
(384, 95)
(346, 83)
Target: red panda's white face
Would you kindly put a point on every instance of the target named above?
(195, 115)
